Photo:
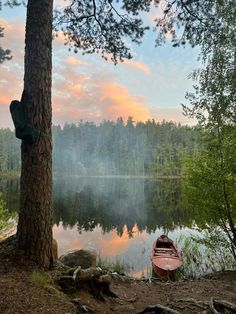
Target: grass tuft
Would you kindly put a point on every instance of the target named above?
(40, 279)
(114, 266)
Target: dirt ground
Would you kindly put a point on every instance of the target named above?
(18, 294)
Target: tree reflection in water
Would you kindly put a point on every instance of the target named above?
(119, 217)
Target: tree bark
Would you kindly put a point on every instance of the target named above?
(34, 231)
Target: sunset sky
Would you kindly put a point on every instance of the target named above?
(151, 85)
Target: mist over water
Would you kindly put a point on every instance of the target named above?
(119, 217)
(117, 202)
(118, 148)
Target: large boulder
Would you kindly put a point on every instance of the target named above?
(83, 258)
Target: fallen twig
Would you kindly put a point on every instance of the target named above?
(201, 304)
(159, 309)
(212, 307)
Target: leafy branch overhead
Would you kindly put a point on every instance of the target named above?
(4, 54)
(99, 26)
(104, 26)
(204, 23)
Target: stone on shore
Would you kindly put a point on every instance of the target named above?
(83, 258)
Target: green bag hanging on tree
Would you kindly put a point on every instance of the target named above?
(23, 129)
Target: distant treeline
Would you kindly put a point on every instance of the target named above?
(111, 148)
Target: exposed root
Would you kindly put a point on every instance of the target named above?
(159, 309)
(90, 279)
(201, 304)
(216, 306)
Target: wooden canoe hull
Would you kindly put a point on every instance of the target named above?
(165, 267)
(166, 259)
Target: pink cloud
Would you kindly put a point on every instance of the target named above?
(73, 61)
(11, 84)
(11, 80)
(79, 96)
(14, 35)
(116, 101)
(140, 66)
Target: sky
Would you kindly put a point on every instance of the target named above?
(85, 87)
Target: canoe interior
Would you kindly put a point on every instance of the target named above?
(166, 258)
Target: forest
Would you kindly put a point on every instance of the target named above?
(112, 148)
(128, 148)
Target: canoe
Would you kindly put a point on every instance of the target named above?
(166, 259)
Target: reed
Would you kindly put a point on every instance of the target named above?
(205, 254)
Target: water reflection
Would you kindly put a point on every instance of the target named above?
(119, 217)
(10, 192)
(134, 252)
(115, 203)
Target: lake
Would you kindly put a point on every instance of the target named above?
(119, 217)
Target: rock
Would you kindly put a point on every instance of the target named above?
(83, 258)
(59, 266)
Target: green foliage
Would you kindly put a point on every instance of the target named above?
(209, 189)
(7, 219)
(213, 102)
(206, 23)
(100, 27)
(12, 3)
(210, 185)
(9, 152)
(205, 254)
(104, 26)
(40, 279)
(4, 215)
(4, 54)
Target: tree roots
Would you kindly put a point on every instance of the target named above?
(216, 307)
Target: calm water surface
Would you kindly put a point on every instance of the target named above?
(119, 217)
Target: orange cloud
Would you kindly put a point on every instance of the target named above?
(11, 80)
(97, 101)
(6, 25)
(79, 96)
(116, 101)
(72, 61)
(4, 100)
(138, 66)
(58, 39)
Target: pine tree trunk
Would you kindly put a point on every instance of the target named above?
(34, 231)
